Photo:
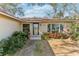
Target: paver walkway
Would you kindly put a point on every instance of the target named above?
(36, 48)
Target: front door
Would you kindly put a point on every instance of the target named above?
(35, 28)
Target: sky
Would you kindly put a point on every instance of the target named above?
(39, 11)
(44, 10)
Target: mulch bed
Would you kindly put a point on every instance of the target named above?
(65, 47)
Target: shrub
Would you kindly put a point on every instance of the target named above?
(75, 36)
(64, 36)
(45, 36)
(13, 43)
(55, 35)
(4, 46)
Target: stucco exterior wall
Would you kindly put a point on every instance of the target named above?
(8, 26)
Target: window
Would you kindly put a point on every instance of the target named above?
(61, 27)
(49, 27)
(26, 28)
(55, 27)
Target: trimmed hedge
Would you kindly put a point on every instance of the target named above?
(12, 44)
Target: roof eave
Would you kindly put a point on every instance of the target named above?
(10, 16)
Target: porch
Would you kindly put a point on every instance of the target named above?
(39, 26)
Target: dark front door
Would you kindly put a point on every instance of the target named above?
(35, 28)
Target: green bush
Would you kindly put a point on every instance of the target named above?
(4, 46)
(45, 36)
(75, 36)
(13, 43)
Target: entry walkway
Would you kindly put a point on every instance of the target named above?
(36, 48)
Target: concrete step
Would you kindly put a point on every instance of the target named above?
(35, 37)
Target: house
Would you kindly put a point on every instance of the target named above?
(35, 26)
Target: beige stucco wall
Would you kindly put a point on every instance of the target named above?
(8, 26)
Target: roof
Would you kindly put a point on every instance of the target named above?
(2, 11)
(46, 20)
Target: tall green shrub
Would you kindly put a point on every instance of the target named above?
(13, 43)
(74, 34)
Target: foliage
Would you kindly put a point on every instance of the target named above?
(61, 8)
(13, 43)
(55, 35)
(12, 8)
(74, 34)
(45, 36)
(73, 27)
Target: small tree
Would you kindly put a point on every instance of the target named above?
(75, 34)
